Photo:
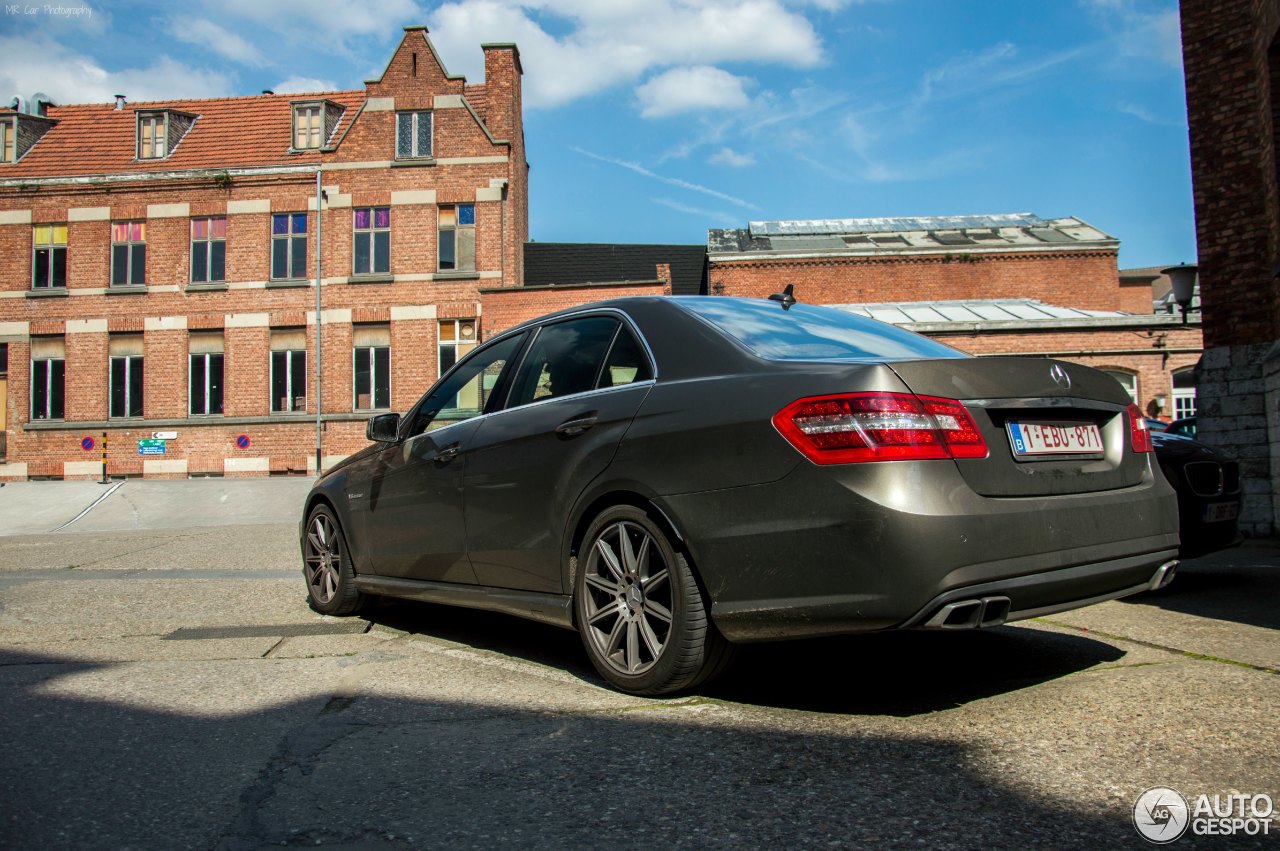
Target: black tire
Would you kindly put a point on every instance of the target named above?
(326, 565)
(639, 611)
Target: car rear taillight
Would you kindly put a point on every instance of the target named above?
(1139, 432)
(852, 427)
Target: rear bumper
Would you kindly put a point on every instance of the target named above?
(825, 552)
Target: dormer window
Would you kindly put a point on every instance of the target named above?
(19, 132)
(8, 140)
(313, 123)
(152, 135)
(159, 132)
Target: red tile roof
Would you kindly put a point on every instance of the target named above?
(236, 132)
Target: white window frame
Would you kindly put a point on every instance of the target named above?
(313, 113)
(153, 135)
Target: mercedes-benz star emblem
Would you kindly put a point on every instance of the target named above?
(1059, 376)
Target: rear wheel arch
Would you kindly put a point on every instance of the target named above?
(603, 502)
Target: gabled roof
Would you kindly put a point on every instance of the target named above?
(909, 235)
(238, 132)
(561, 263)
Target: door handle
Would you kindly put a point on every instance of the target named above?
(447, 454)
(577, 426)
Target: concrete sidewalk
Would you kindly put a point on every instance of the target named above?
(30, 508)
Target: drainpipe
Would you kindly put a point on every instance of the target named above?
(319, 383)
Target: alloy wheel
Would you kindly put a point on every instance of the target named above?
(323, 558)
(628, 598)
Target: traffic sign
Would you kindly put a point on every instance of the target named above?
(150, 446)
(87, 445)
(242, 441)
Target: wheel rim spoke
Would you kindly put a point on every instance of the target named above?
(610, 559)
(601, 584)
(652, 583)
(651, 639)
(629, 562)
(615, 636)
(632, 659)
(654, 609)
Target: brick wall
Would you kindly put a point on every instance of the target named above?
(1086, 279)
(507, 308)
(1231, 57)
(467, 168)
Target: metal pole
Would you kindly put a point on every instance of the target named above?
(104, 460)
(319, 385)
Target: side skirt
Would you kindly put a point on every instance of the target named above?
(554, 609)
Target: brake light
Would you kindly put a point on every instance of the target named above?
(853, 427)
(1139, 432)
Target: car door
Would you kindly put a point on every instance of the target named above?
(414, 516)
(577, 388)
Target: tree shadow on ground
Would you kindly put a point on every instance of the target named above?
(83, 765)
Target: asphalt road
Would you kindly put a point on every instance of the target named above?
(163, 686)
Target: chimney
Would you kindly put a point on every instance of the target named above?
(267, 92)
(119, 101)
(502, 84)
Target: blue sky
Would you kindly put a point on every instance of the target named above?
(652, 120)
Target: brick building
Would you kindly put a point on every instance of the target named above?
(1006, 284)
(1231, 56)
(164, 257)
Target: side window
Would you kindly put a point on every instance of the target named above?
(627, 362)
(565, 358)
(466, 391)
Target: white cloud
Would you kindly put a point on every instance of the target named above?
(295, 85)
(670, 181)
(1140, 35)
(718, 216)
(693, 89)
(43, 65)
(730, 157)
(336, 22)
(573, 48)
(209, 35)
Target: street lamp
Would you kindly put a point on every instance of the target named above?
(1183, 278)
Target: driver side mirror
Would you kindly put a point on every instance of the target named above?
(383, 428)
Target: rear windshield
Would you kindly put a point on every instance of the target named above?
(808, 332)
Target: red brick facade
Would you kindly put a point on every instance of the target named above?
(477, 158)
(1077, 279)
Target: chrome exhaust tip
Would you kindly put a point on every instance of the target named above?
(1163, 576)
(970, 614)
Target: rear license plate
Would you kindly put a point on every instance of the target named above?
(1220, 511)
(1030, 440)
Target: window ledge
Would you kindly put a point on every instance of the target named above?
(413, 162)
(468, 275)
(379, 278)
(47, 292)
(215, 286)
(288, 283)
(127, 289)
(126, 421)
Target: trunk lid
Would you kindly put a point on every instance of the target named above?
(1035, 392)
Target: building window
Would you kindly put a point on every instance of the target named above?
(8, 141)
(372, 240)
(413, 135)
(205, 374)
(128, 253)
(208, 250)
(1184, 393)
(308, 126)
(288, 370)
(457, 238)
(371, 363)
(49, 257)
(48, 379)
(1127, 380)
(457, 337)
(289, 245)
(153, 131)
(126, 375)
